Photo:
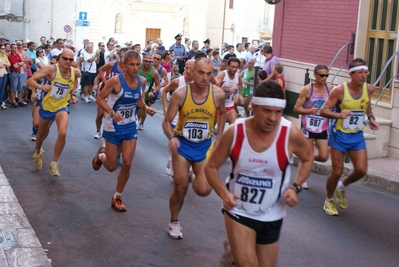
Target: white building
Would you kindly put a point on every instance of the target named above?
(137, 20)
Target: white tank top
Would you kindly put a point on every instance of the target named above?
(260, 178)
(227, 82)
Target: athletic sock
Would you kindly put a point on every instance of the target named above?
(328, 199)
(117, 194)
(35, 129)
(341, 186)
(173, 221)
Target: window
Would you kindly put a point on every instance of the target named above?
(381, 44)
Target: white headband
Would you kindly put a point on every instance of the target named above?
(362, 67)
(267, 101)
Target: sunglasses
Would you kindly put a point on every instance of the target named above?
(68, 59)
(147, 61)
(157, 58)
(40, 51)
(322, 75)
(102, 45)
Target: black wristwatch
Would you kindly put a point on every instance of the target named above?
(112, 113)
(297, 187)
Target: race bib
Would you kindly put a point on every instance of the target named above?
(127, 111)
(314, 123)
(256, 194)
(59, 90)
(354, 121)
(195, 131)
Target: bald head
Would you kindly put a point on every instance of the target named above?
(66, 52)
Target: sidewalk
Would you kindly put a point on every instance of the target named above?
(382, 172)
(19, 245)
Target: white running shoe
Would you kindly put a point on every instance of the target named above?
(305, 185)
(86, 99)
(82, 96)
(174, 230)
(91, 98)
(141, 126)
(168, 168)
(97, 135)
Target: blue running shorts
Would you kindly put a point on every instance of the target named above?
(195, 152)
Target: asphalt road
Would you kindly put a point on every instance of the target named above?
(74, 222)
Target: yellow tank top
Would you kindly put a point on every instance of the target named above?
(59, 95)
(196, 120)
(355, 122)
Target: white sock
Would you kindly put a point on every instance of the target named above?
(117, 194)
(328, 199)
(341, 186)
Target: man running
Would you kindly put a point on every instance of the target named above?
(191, 141)
(314, 126)
(351, 101)
(124, 95)
(55, 105)
(258, 191)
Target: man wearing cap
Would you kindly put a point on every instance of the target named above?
(207, 44)
(258, 190)
(180, 53)
(351, 102)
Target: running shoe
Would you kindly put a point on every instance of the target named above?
(174, 230)
(341, 199)
(91, 98)
(97, 135)
(305, 185)
(3, 106)
(227, 258)
(54, 169)
(168, 168)
(37, 160)
(141, 126)
(86, 100)
(96, 163)
(119, 160)
(33, 137)
(14, 105)
(329, 207)
(22, 104)
(116, 204)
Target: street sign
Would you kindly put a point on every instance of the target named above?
(67, 28)
(83, 23)
(82, 15)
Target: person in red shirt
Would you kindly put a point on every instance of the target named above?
(15, 77)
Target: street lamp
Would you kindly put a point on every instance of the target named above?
(272, 2)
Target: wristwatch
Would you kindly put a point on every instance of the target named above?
(112, 113)
(297, 187)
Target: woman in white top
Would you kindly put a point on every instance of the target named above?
(40, 60)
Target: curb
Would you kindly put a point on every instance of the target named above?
(373, 177)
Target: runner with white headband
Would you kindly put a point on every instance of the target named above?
(259, 187)
(351, 104)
